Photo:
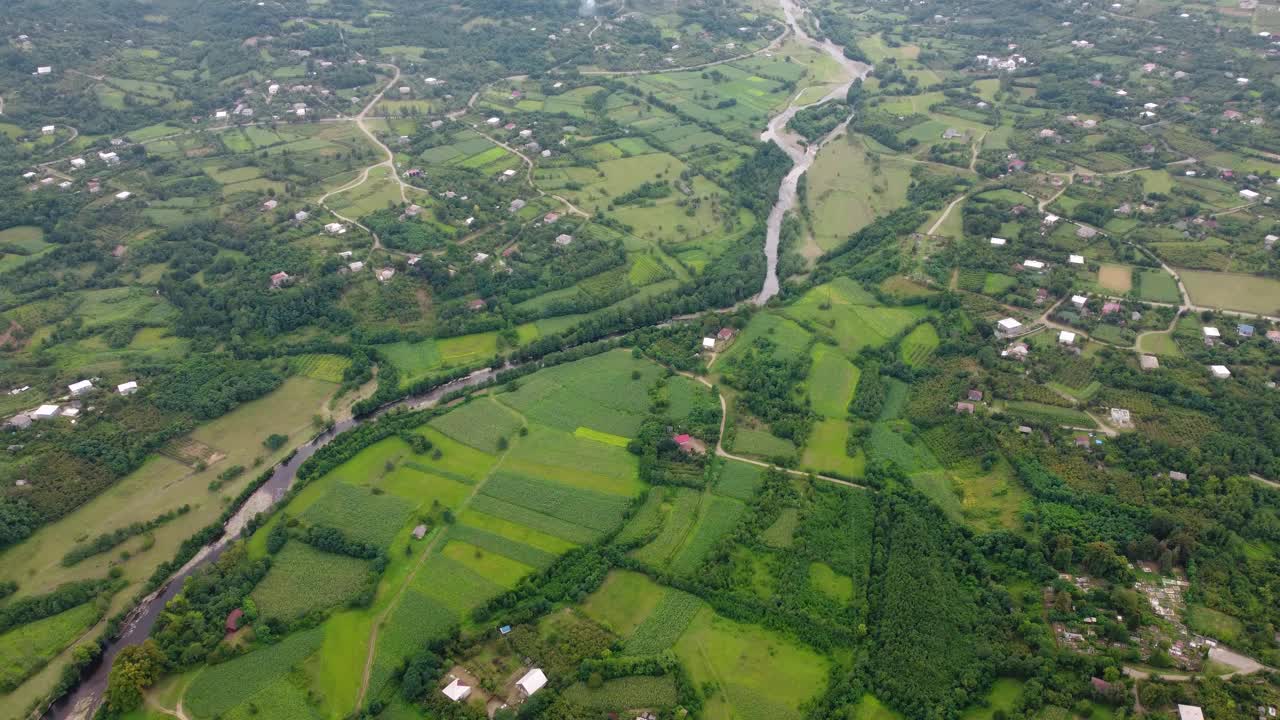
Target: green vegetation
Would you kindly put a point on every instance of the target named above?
(303, 579)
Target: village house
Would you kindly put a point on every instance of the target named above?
(419, 531)
(1008, 327)
(78, 163)
(1066, 337)
(1111, 307)
(44, 412)
(1245, 331)
(975, 396)
(270, 205)
(1177, 475)
(1219, 372)
(964, 408)
(1079, 301)
(1120, 417)
(124, 195)
(21, 421)
(1149, 362)
(476, 305)
(456, 691)
(550, 217)
(44, 69)
(480, 257)
(516, 205)
(302, 216)
(1190, 712)
(708, 343)
(80, 388)
(1085, 233)
(532, 682)
(386, 274)
(48, 129)
(1211, 335)
(280, 279)
(1033, 265)
(563, 240)
(356, 266)
(998, 241)
(725, 336)
(689, 445)
(128, 388)
(1050, 219)
(1273, 336)
(335, 228)
(1075, 259)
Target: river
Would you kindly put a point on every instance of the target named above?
(82, 702)
(801, 153)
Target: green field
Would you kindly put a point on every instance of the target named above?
(360, 514)
(832, 379)
(303, 579)
(624, 693)
(219, 689)
(738, 479)
(26, 649)
(716, 518)
(680, 512)
(1233, 291)
(624, 601)
(919, 344)
(758, 674)
(825, 450)
(846, 191)
(1158, 286)
(481, 423)
(598, 393)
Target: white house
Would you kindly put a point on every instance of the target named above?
(1079, 300)
(272, 89)
(28, 175)
(48, 129)
(1066, 337)
(1190, 712)
(270, 205)
(128, 388)
(708, 343)
(44, 412)
(78, 163)
(1050, 219)
(80, 388)
(124, 195)
(493, 122)
(998, 241)
(220, 115)
(1211, 333)
(302, 216)
(456, 691)
(1008, 326)
(1076, 259)
(356, 266)
(480, 257)
(44, 70)
(563, 240)
(386, 274)
(1033, 264)
(532, 682)
(1249, 195)
(335, 228)
(109, 158)
(1219, 371)
(508, 173)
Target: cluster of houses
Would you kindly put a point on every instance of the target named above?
(69, 410)
(458, 690)
(719, 341)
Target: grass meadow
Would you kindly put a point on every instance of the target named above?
(1233, 291)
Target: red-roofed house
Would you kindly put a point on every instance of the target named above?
(280, 278)
(689, 444)
(1111, 307)
(233, 620)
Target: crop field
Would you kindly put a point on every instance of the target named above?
(590, 509)
(1233, 291)
(1158, 286)
(480, 423)
(1116, 278)
(303, 579)
(360, 514)
(328, 368)
(832, 379)
(825, 449)
(624, 693)
(760, 674)
(458, 586)
(919, 344)
(680, 512)
(219, 689)
(665, 624)
(597, 392)
(26, 648)
(416, 619)
(488, 542)
(1051, 413)
(738, 480)
(683, 395)
(717, 517)
(846, 191)
(547, 524)
(509, 531)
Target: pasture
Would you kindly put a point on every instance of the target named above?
(1116, 278)
(757, 674)
(851, 316)
(752, 441)
(1158, 286)
(825, 450)
(624, 601)
(738, 480)
(1233, 291)
(832, 379)
(846, 190)
(717, 516)
(26, 648)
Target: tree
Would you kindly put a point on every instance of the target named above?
(135, 669)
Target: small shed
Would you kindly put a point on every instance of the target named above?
(1190, 712)
(975, 396)
(1033, 264)
(998, 241)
